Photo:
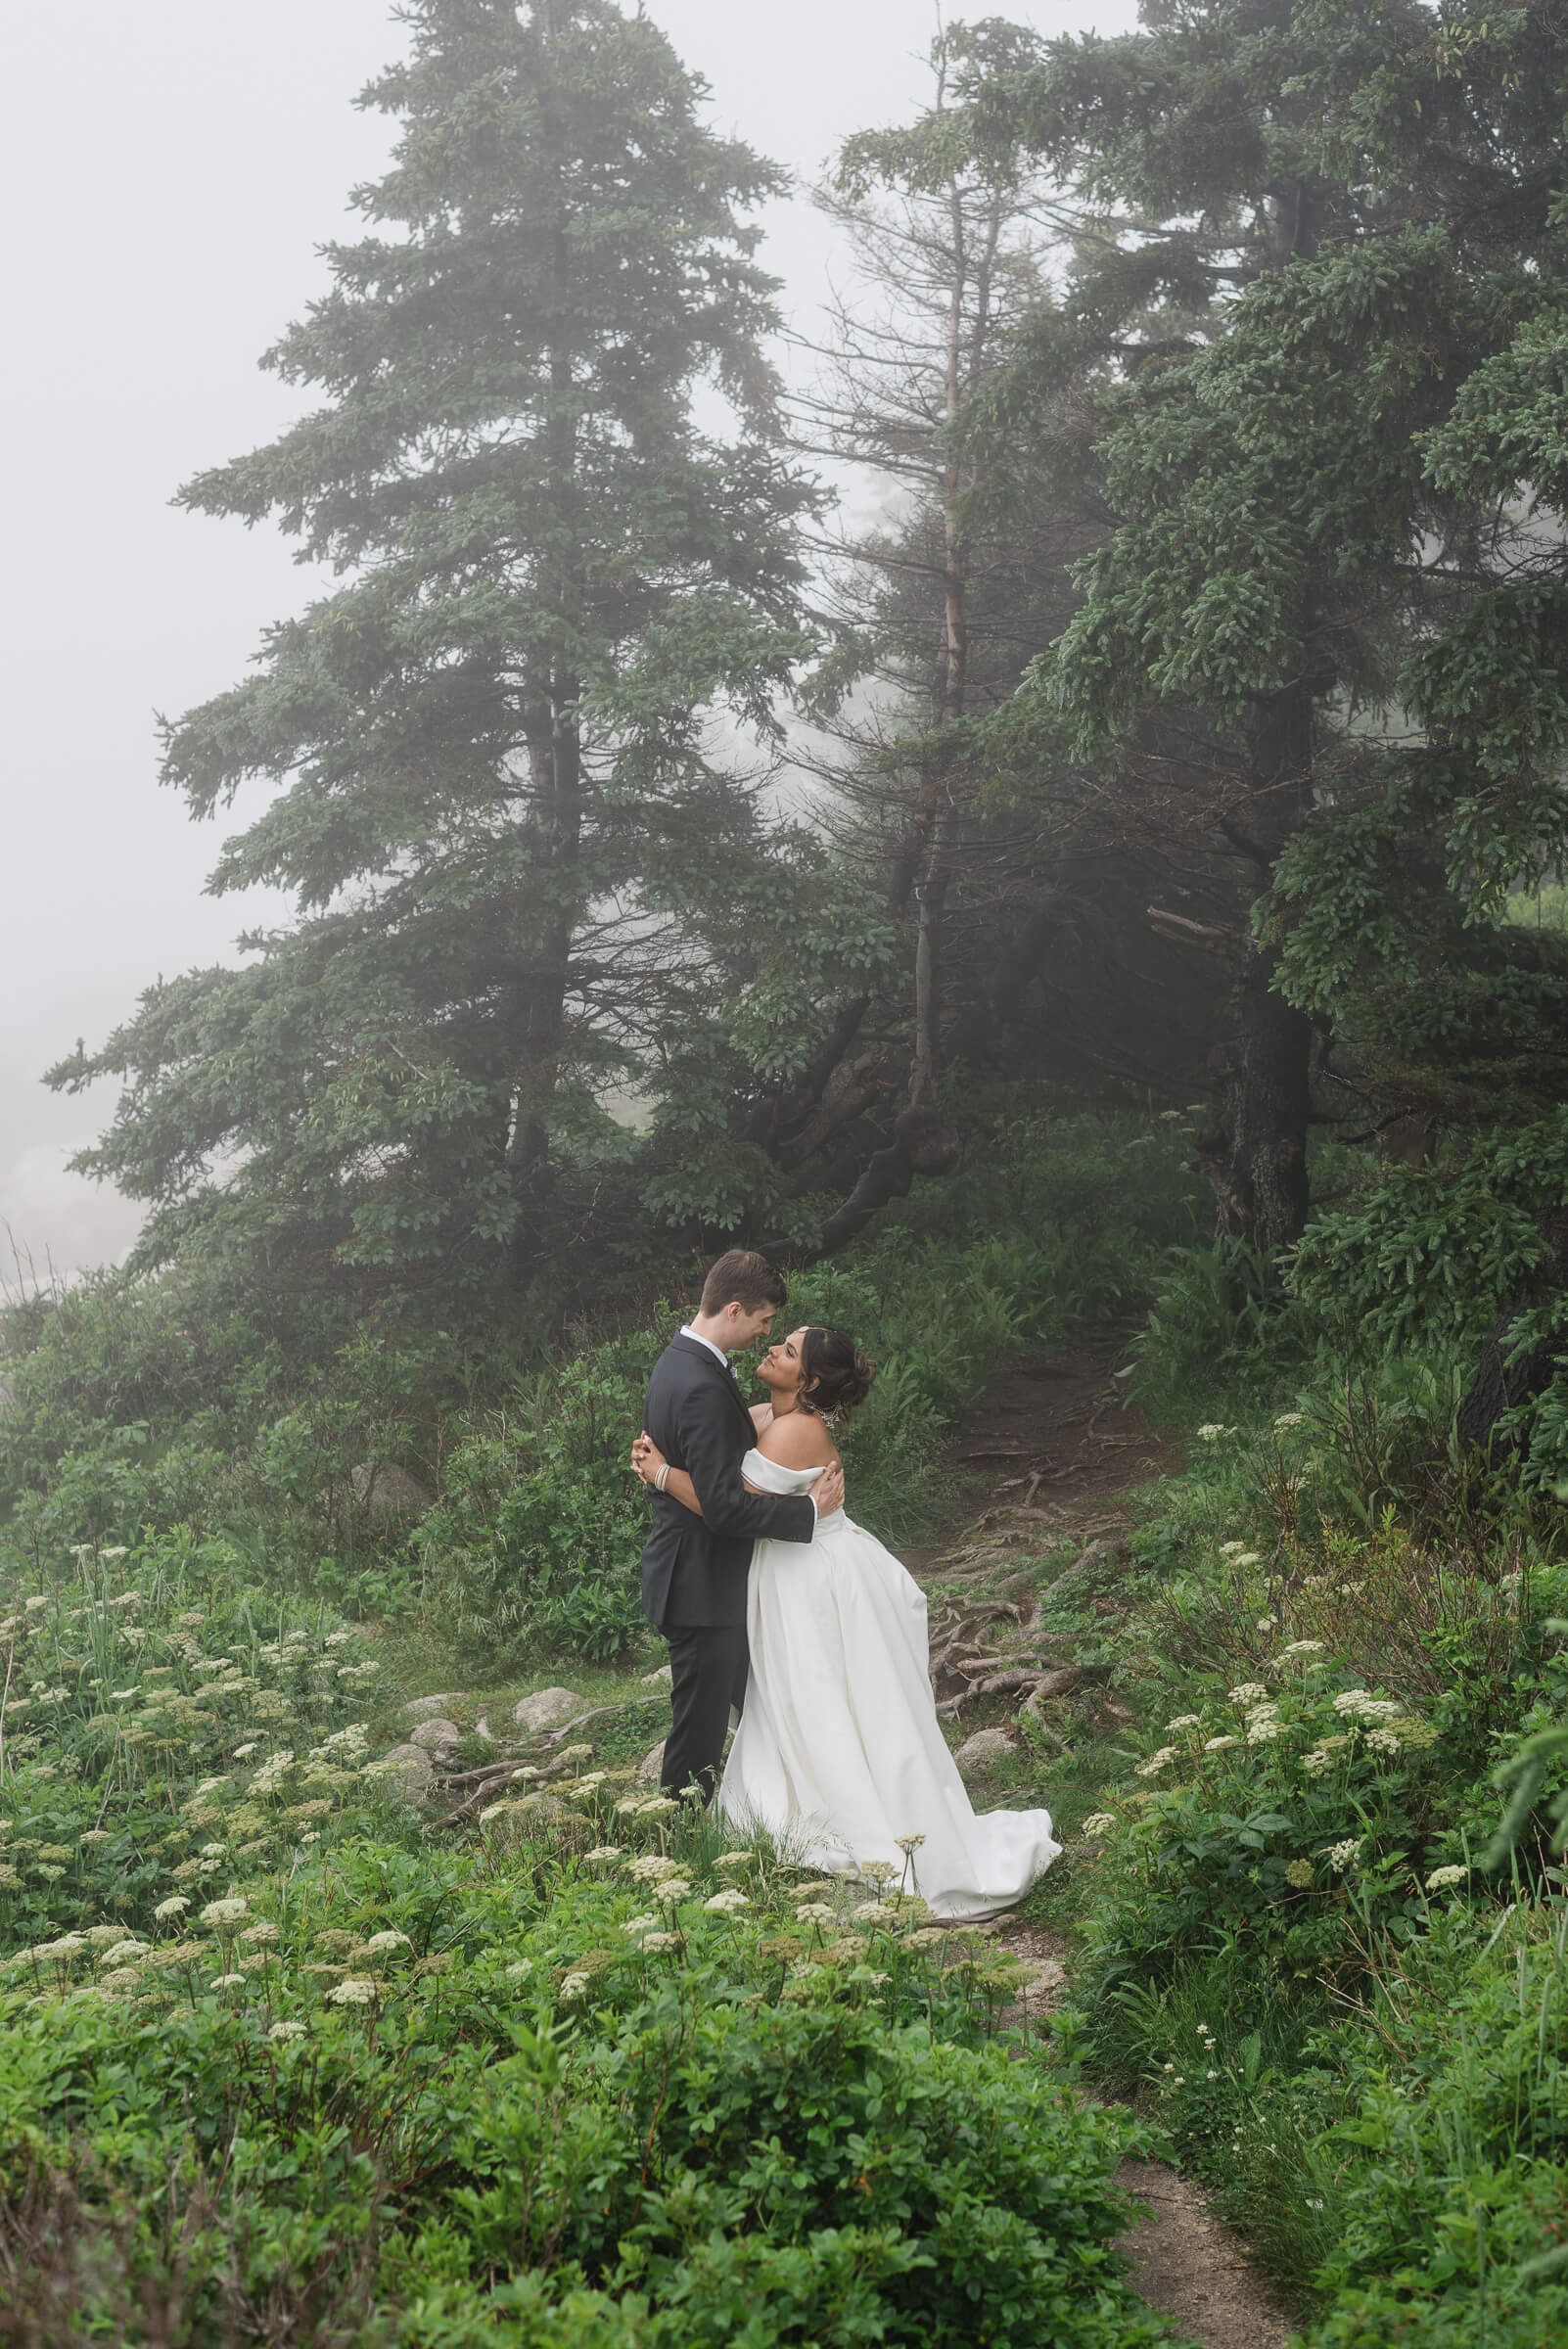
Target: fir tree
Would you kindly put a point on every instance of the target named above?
(547, 467)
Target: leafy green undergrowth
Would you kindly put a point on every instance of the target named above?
(1296, 1953)
(149, 1405)
(547, 2090)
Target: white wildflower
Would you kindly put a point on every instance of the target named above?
(259, 1936)
(1231, 1550)
(175, 1905)
(1250, 1692)
(652, 1866)
(1218, 1745)
(1289, 1419)
(1342, 1856)
(641, 1924)
(1156, 1762)
(1099, 1822)
(661, 1941)
(520, 1969)
(609, 1851)
(1212, 1431)
(1382, 1740)
(387, 1939)
(287, 2031)
(124, 1952)
(1262, 1727)
(868, 1913)
(1302, 1647)
(1265, 1623)
(1186, 1720)
(228, 1982)
(671, 1889)
(1442, 1877)
(726, 1904)
(734, 1860)
(909, 1843)
(817, 1912)
(356, 1992)
(225, 1912)
(1316, 1762)
(574, 1985)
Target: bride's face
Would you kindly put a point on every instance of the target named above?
(783, 1366)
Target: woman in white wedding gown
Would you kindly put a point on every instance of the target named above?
(839, 1749)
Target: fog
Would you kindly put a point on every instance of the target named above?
(169, 171)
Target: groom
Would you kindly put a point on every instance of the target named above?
(694, 1569)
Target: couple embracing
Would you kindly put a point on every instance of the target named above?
(778, 1607)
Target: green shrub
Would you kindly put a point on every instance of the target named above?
(411, 2091)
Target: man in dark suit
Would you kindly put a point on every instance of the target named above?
(694, 1569)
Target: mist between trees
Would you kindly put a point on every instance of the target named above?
(1120, 890)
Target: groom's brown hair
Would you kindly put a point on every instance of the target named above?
(743, 1277)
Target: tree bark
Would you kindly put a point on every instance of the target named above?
(1500, 1385)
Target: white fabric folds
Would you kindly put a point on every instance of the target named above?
(839, 1751)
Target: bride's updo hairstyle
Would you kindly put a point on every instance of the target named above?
(835, 1375)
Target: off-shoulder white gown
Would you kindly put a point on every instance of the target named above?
(839, 1748)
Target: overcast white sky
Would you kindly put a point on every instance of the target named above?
(169, 168)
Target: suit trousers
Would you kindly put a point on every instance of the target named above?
(709, 1667)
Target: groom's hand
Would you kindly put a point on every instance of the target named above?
(828, 1491)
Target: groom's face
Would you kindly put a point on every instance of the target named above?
(745, 1328)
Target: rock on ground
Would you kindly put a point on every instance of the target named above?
(421, 1708)
(651, 1765)
(408, 1768)
(658, 1679)
(384, 1491)
(982, 1749)
(432, 1733)
(545, 1709)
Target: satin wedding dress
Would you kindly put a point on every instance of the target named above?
(839, 1751)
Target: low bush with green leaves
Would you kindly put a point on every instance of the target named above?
(546, 2094)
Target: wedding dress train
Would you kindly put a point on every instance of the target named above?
(839, 1749)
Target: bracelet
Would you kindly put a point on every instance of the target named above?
(663, 1478)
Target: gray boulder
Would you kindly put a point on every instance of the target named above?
(422, 1708)
(382, 1492)
(407, 1768)
(546, 1709)
(432, 1734)
(651, 1765)
(982, 1749)
(658, 1679)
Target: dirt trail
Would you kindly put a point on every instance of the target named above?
(1048, 1455)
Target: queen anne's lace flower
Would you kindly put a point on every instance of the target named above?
(1263, 1728)
(735, 1859)
(1289, 1419)
(871, 1912)
(909, 1843)
(356, 1992)
(652, 1866)
(1302, 1647)
(1218, 1745)
(175, 1905)
(1212, 1431)
(285, 2031)
(1442, 1877)
(661, 1941)
(1099, 1823)
(816, 1913)
(640, 1924)
(387, 1939)
(605, 1851)
(1343, 1856)
(520, 1969)
(1382, 1739)
(228, 1982)
(225, 1912)
(1156, 1762)
(1250, 1692)
(671, 1889)
(574, 1985)
(726, 1904)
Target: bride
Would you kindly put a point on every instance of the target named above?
(840, 1739)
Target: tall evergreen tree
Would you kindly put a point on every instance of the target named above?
(547, 468)
(1312, 221)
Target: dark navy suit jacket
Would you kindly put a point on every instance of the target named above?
(694, 1568)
